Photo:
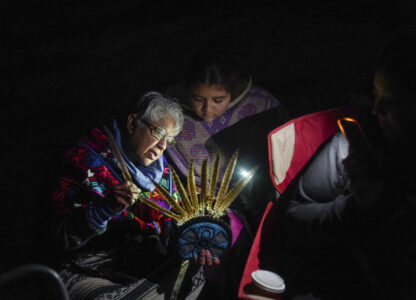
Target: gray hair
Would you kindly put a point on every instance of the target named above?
(154, 106)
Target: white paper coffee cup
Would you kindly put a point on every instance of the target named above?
(267, 283)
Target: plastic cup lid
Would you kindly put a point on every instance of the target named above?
(269, 281)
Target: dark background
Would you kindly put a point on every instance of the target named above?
(67, 66)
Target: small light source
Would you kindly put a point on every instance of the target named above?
(244, 173)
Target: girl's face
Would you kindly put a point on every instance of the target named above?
(209, 101)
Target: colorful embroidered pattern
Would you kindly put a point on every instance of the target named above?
(91, 170)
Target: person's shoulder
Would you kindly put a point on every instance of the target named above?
(332, 152)
(340, 139)
(339, 146)
(259, 88)
(263, 94)
(96, 138)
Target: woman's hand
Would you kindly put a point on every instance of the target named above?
(205, 259)
(123, 195)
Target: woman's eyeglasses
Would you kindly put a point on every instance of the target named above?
(159, 133)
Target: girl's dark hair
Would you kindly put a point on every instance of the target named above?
(214, 68)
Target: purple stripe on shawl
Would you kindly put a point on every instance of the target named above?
(199, 153)
(247, 110)
(269, 100)
(188, 131)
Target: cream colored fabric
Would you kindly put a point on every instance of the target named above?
(282, 149)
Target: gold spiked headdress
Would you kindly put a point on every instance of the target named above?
(207, 203)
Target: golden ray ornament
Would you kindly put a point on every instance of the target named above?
(200, 217)
(207, 204)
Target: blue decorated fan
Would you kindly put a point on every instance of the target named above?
(203, 233)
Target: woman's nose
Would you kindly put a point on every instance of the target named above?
(162, 144)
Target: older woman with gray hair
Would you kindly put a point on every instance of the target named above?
(103, 240)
